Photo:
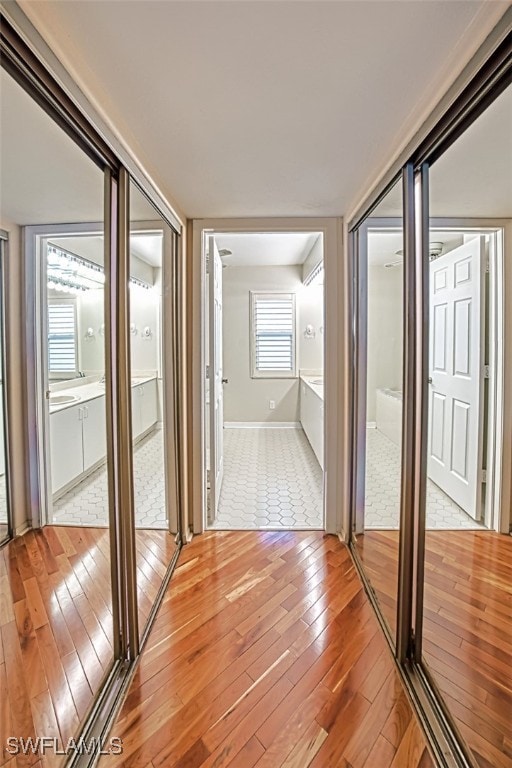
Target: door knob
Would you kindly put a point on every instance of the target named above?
(224, 381)
(429, 379)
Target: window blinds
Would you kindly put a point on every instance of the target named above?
(274, 333)
(62, 353)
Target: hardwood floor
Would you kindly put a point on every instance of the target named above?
(265, 652)
(56, 627)
(467, 628)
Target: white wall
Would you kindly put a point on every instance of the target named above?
(247, 399)
(144, 312)
(384, 332)
(90, 314)
(310, 305)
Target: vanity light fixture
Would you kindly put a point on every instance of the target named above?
(140, 283)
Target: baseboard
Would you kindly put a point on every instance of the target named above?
(23, 528)
(371, 425)
(262, 425)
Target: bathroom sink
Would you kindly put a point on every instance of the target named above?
(63, 399)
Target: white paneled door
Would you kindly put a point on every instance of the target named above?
(215, 376)
(456, 374)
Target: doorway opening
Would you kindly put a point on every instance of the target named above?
(264, 380)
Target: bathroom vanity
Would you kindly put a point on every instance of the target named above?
(312, 413)
(78, 442)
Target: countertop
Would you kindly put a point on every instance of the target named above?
(318, 389)
(89, 391)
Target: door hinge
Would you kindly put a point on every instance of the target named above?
(487, 371)
(487, 263)
(207, 371)
(484, 475)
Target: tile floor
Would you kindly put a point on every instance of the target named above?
(383, 491)
(272, 479)
(87, 503)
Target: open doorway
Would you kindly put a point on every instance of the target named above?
(264, 374)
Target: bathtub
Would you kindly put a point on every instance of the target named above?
(389, 414)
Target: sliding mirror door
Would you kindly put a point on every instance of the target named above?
(467, 617)
(152, 297)
(379, 405)
(59, 622)
(5, 512)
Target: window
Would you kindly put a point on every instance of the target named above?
(273, 339)
(62, 339)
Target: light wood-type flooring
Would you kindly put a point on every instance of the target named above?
(56, 627)
(266, 652)
(467, 641)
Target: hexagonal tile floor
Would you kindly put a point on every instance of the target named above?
(272, 480)
(87, 503)
(382, 509)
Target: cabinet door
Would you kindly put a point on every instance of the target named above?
(94, 432)
(136, 418)
(66, 451)
(148, 411)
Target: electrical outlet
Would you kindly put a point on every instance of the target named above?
(271, 404)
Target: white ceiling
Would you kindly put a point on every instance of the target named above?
(44, 177)
(146, 247)
(258, 250)
(383, 246)
(262, 108)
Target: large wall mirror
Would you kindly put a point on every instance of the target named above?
(380, 383)
(59, 620)
(432, 506)
(467, 616)
(152, 304)
(5, 512)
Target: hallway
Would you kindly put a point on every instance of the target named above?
(266, 652)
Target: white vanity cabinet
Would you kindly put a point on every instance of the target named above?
(66, 450)
(144, 407)
(312, 419)
(94, 432)
(78, 441)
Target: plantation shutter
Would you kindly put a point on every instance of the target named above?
(62, 345)
(273, 322)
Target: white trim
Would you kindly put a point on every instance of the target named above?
(262, 425)
(20, 530)
(371, 425)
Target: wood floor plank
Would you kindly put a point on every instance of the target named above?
(257, 657)
(467, 640)
(56, 631)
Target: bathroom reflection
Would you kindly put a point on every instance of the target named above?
(58, 616)
(152, 363)
(381, 262)
(76, 379)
